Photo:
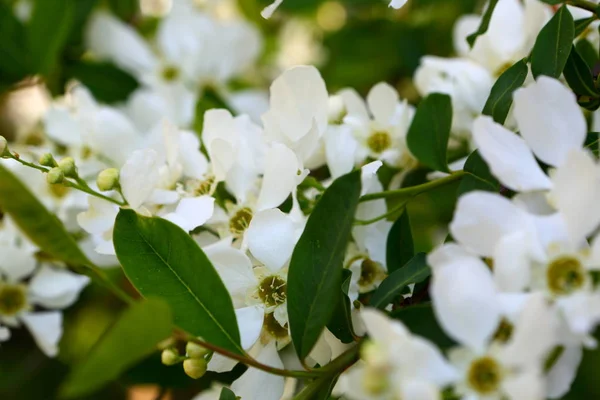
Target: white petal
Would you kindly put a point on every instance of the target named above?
(46, 329)
(512, 265)
(268, 11)
(250, 321)
(321, 352)
(465, 301)
(397, 3)
(418, 390)
(383, 101)
(219, 363)
(255, 384)
(563, 372)
(139, 176)
(508, 156)
(340, 150)
(16, 263)
(62, 127)
(549, 119)
(577, 188)
(481, 219)
(526, 385)
(110, 38)
(53, 288)
(582, 311)
(193, 161)
(271, 238)
(280, 178)
(99, 218)
(192, 212)
(354, 104)
(4, 334)
(235, 269)
(425, 361)
(381, 328)
(298, 99)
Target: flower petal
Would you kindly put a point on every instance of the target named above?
(383, 102)
(563, 372)
(139, 176)
(192, 212)
(53, 288)
(549, 119)
(280, 178)
(508, 156)
(46, 329)
(255, 384)
(512, 265)
(271, 238)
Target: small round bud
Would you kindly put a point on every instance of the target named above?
(108, 179)
(47, 160)
(55, 175)
(67, 165)
(194, 350)
(169, 356)
(3, 145)
(195, 368)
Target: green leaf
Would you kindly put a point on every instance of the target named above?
(479, 177)
(48, 31)
(578, 75)
(124, 9)
(132, 337)
(340, 323)
(485, 23)
(421, 321)
(315, 273)
(415, 271)
(227, 394)
(498, 103)
(553, 45)
(14, 61)
(108, 83)
(161, 260)
(42, 227)
(428, 134)
(582, 24)
(400, 247)
(588, 52)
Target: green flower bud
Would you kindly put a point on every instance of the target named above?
(3, 145)
(55, 175)
(195, 368)
(47, 160)
(169, 356)
(108, 179)
(194, 350)
(67, 165)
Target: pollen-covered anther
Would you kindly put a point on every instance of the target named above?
(240, 221)
(565, 275)
(485, 375)
(13, 298)
(379, 141)
(272, 291)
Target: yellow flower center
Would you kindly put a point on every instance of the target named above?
(273, 327)
(240, 221)
(370, 272)
(484, 375)
(272, 291)
(170, 73)
(379, 141)
(13, 298)
(565, 275)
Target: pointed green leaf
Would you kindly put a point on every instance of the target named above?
(315, 273)
(400, 247)
(340, 323)
(485, 23)
(130, 339)
(106, 81)
(498, 103)
(48, 31)
(553, 45)
(479, 177)
(579, 76)
(428, 134)
(161, 260)
(227, 394)
(582, 24)
(415, 271)
(14, 58)
(42, 227)
(588, 52)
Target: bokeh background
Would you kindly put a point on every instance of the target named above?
(354, 43)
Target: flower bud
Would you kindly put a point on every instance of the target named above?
(169, 356)
(55, 175)
(108, 179)
(3, 145)
(47, 160)
(194, 350)
(68, 167)
(195, 368)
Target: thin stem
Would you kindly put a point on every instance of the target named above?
(16, 157)
(415, 190)
(179, 334)
(586, 5)
(379, 218)
(89, 191)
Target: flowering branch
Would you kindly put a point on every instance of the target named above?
(584, 4)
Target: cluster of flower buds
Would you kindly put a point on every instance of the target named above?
(195, 361)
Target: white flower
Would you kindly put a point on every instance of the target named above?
(298, 116)
(48, 287)
(381, 130)
(268, 11)
(511, 33)
(397, 3)
(466, 82)
(395, 364)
